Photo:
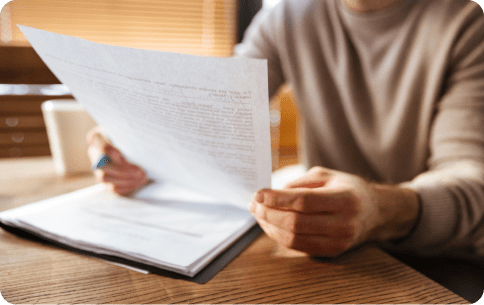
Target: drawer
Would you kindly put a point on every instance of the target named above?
(23, 138)
(21, 122)
(13, 105)
(24, 151)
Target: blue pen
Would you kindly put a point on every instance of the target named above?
(103, 160)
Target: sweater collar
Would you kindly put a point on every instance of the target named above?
(384, 18)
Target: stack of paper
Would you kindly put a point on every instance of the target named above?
(180, 236)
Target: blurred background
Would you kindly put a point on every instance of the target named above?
(200, 27)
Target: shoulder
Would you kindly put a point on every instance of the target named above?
(453, 26)
(465, 27)
(452, 14)
(451, 8)
(271, 27)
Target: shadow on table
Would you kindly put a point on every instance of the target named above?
(464, 278)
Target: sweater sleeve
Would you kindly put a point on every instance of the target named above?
(452, 190)
(260, 42)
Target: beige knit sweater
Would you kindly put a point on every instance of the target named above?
(396, 96)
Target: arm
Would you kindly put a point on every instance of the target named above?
(119, 175)
(450, 191)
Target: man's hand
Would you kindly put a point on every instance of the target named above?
(119, 175)
(327, 212)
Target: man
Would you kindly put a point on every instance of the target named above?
(391, 94)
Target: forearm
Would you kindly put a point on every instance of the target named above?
(451, 215)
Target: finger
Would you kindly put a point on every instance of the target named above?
(95, 137)
(94, 153)
(99, 145)
(336, 225)
(115, 173)
(129, 171)
(123, 190)
(120, 180)
(114, 154)
(311, 244)
(306, 200)
(315, 177)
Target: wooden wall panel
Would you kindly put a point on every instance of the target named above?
(22, 65)
(22, 128)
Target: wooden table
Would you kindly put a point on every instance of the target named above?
(32, 272)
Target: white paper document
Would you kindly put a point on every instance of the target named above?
(198, 126)
(179, 236)
(202, 122)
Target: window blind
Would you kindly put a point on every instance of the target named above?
(201, 27)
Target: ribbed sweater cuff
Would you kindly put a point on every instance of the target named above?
(437, 220)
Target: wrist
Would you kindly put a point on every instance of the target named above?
(398, 212)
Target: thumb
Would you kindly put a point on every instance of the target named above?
(313, 178)
(114, 154)
(95, 137)
(302, 200)
(100, 145)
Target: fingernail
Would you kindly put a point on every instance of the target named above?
(251, 206)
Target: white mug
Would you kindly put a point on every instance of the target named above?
(67, 124)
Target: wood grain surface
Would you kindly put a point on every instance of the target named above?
(32, 272)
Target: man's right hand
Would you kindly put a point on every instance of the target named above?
(118, 175)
